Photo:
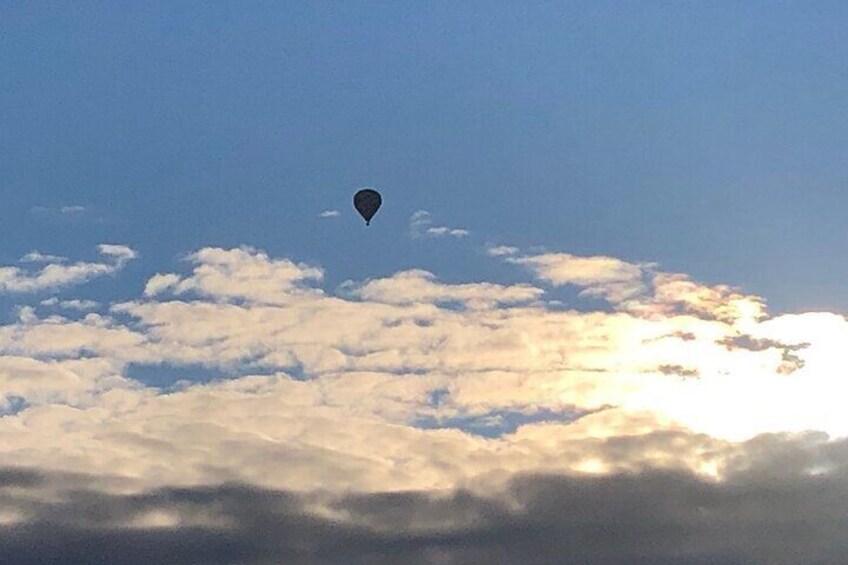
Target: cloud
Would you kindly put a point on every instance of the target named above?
(330, 214)
(775, 513)
(421, 225)
(417, 287)
(604, 277)
(66, 214)
(160, 283)
(37, 257)
(237, 274)
(501, 250)
(68, 210)
(121, 253)
(58, 274)
(75, 304)
(640, 288)
(491, 410)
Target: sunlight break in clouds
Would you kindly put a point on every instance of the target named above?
(387, 386)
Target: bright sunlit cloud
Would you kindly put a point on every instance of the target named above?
(398, 375)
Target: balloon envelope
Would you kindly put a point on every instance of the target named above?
(367, 201)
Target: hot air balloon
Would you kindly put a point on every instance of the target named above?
(367, 201)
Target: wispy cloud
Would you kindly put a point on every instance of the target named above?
(71, 214)
(330, 214)
(74, 304)
(421, 225)
(501, 250)
(604, 277)
(38, 257)
(638, 288)
(76, 209)
(68, 212)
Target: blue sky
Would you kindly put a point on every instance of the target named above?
(607, 271)
(711, 139)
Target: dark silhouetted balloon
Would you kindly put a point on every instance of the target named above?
(367, 201)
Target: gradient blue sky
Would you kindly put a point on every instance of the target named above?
(531, 345)
(710, 138)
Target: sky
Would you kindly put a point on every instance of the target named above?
(599, 317)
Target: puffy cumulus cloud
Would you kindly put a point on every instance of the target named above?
(121, 253)
(69, 381)
(417, 286)
(421, 225)
(160, 283)
(57, 273)
(338, 402)
(237, 274)
(502, 351)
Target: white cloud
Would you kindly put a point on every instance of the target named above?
(604, 277)
(501, 250)
(417, 287)
(639, 288)
(246, 274)
(74, 304)
(38, 257)
(440, 231)
(330, 214)
(378, 367)
(121, 253)
(61, 274)
(70, 381)
(160, 283)
(77, 304)
(421, 225)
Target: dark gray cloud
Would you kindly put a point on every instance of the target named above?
(771, 509)
(791, 360)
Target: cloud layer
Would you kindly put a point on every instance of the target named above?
(770, 513)
(484, 395)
